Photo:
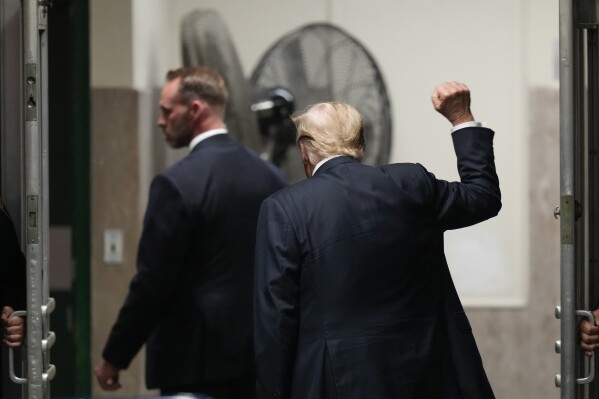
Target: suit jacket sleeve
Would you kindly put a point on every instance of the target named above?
(162, 250)
(477, 197)
(276, 301)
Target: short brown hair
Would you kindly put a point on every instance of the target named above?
(201, 82)
(328, 129)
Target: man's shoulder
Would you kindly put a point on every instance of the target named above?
(183, 167)
(200, 166)
(403, 170)
(185, 172)
(402, 166)
(359, 173)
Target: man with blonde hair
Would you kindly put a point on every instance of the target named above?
(328, 130)
(353, 297)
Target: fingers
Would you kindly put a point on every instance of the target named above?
(589, 337)
(589, 340)
(452, 100)
(448, 89)
(107, 376)
(13, 340)
(6, 311)
(14, 332)
(109, 384)
(588, 329)
(588, 348)
(14, 321)
(14, 328)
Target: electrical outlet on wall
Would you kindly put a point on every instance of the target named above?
(113, 246)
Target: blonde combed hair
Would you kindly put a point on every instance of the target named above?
(327, 129)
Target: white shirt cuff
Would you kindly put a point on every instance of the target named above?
(467, 124)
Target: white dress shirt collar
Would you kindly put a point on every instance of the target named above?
(319, 164)
(203, 136)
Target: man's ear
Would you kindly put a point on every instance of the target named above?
(304, 152)
(197, 108)
(308, 167)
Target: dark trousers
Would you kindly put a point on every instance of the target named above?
(238, 388)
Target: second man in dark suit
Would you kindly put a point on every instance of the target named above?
(191, 299)
(353, 295)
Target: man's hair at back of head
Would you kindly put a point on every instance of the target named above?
(201, 82)
(328, 129)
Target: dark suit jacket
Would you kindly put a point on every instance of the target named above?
(12, 286)
(12, 283)
(353, 296)
(191, 298)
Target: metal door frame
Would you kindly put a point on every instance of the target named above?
(31, 142)
(579, 191)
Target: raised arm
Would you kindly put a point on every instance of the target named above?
(477, 196)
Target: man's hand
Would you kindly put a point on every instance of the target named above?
(14, 328)
(452, 100)
(107, 376)
(589, 335)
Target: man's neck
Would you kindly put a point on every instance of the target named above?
(209, 123)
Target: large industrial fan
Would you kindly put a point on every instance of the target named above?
(316, 63)
(320, 62)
